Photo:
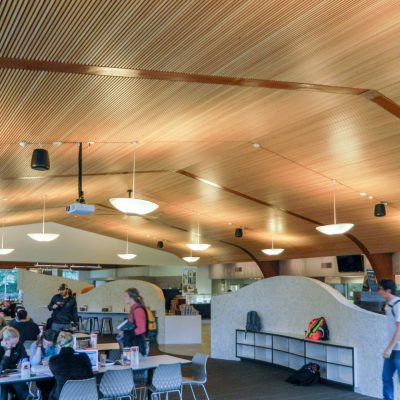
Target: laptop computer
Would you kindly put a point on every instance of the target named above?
(93, 355)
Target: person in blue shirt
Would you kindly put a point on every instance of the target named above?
(40, 352)
(45, 347)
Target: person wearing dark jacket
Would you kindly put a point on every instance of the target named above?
(68, 365)
(65, 310)
(11, 353)
(27, 329)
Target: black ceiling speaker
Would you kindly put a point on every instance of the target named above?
(380, 210)
(160, 244)
(40, 160)
(238, 232)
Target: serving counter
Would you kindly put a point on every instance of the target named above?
(179, 329)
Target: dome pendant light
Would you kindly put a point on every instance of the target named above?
(198, 246)
(4, 251)
(130, 205)
(272, 251)
(127, 255)
(43, 237)
(334, 229)
(191, 259)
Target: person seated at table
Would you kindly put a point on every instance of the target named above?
(43, 348)
(27, 329)
(68, 365)
(6, 308)
(40, 352)
(12, 352)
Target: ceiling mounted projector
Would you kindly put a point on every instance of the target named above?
(80, 209)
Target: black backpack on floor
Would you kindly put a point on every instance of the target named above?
(307, 375)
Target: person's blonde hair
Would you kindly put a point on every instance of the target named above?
(64, 339)
(8, 333)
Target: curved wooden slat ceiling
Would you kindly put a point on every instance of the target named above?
(314, 83)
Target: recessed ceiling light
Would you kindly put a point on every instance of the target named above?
(91, 143)
(363, 194)
(256, 145)
(57, 144)
(370, 197)
(24, 144)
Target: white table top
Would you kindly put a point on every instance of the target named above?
(43, 372)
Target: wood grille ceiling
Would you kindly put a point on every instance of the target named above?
(197, 83)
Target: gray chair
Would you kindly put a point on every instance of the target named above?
(118, 384)
(167, 379)
(199, 377)
(85, 389)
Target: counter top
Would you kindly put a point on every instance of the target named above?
(102, 312)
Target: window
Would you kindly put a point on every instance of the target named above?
(71, 275)
(8, 284)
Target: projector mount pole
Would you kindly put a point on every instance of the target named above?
(81, 198)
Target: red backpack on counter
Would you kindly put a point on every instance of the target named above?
(317, 329)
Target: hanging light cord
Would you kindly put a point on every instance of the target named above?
(44, 212)
(2, 235)
(127, 242)
(334, 201)
(133, 171)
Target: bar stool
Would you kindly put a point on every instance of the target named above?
(92, 322)
(106, 323)
(80, 322)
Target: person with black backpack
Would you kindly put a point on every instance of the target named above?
(134, 332)
(391, 355)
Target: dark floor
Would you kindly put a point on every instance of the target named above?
(246, 380)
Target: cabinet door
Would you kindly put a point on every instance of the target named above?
(280, 343)
(316, 351)
(281, 358)
(245, 338)
(263, 340)
(263, 354)
(340, 373)
(245, 351)
(340, 355)
(296, 346)
(295, 362)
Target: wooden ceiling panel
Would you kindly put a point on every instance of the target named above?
(349, 43)
(204, 130)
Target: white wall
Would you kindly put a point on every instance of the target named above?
(38, 290)
(203, 280)
(311, 267)
(286, 304)
(242, 270)
(111, 294)
(78, 246)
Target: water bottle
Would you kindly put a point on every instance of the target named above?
(25, 368)
(134, 356)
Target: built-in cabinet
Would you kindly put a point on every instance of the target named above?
(335, 360)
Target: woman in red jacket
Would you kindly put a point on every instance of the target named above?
(136, 336)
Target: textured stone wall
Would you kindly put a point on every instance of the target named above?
(286, 304)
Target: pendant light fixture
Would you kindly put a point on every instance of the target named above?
(43, 237)
(272, 251)
(198, 246)
(334, 229)
(130, 205)
(127, 255)
(4, 251)
(191, 259)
